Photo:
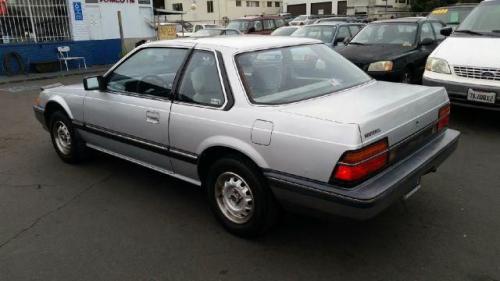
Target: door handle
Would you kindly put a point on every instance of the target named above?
(153, 117)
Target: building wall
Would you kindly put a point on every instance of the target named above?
(377, 6)
(308, 5)
(221, 9)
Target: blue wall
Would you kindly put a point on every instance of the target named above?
(95, 51)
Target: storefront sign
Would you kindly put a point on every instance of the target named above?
(77, 8)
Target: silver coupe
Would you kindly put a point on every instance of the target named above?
(261, 123)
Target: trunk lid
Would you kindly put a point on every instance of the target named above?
(379, 109)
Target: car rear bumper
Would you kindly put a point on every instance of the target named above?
(370, 197)
(39, 115)
(458, 93)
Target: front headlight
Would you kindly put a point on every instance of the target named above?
(381, 66)
(438, 66)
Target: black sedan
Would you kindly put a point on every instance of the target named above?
(395, 50)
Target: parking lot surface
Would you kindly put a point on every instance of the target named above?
(107, 219)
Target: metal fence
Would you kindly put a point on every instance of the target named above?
(24, 21)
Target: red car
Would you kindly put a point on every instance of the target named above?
(257, 24)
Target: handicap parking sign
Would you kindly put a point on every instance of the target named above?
(77, 8)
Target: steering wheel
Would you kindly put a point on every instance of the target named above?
(150, 83)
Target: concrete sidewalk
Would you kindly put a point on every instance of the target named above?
(41, 76)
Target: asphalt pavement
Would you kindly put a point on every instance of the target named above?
(107, 219)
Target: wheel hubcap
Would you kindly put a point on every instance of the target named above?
(234, 197)
(62, 137)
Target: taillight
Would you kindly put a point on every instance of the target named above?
(443, 117)
(357, 165)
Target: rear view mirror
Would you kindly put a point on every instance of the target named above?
(93, 83)
(446, 31)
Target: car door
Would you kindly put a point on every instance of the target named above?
(131, 117)
(200, 101)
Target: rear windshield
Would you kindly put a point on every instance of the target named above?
(320, 32)
(290, 74)
(284, 31)
(451, 15)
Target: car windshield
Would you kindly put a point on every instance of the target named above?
(207, 32)
(485, 18)
(323, 33)
(290, 74)
(300, 18)
(450, 16)
(241, 25)
(404, 34)
(284, 31)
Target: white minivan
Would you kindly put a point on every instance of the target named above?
(467, 63)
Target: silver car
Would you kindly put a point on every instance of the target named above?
(261, 123)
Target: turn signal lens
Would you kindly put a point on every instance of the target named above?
(357, 165)
(443, 117)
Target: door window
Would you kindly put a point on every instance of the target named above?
(342, 35)
(427, 32)
(268, 24)
(437, 30)
(149, 72)
(257, 25)
(201, 83)
(354, 29)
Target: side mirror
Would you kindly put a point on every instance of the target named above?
(94, 83)
(347, 40)
(446, 31)
(427, 41)
(338, 40)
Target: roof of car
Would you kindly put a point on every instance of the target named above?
(404, 20)
(330, 23)
(251, 42)
(259, 17)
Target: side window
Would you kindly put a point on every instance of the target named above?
(150, 71)
(257, 25)
(342, 35)
(427, 32)
(354, 29)
(279, 22)
(197, 27)
(200, 83)
(437, 29)
(268, 24)
(231, 32)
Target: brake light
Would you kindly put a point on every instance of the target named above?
(359, 164)
(443, 117)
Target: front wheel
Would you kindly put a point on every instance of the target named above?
(240, 198)
(66, 141)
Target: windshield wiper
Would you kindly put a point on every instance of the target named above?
(469, 31)
(496, 31)
(357, 43)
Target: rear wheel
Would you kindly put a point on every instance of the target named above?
(65, 140)
(240, 198)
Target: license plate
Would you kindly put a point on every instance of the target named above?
(479, 96)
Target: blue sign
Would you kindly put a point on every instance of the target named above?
(77, 8)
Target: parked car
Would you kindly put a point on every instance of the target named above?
(257, 24)
(211, 32)
(287, 17)
(467, 63)
(285, 31)
(333, 34)
(226, 113)
(194, 28)
(304, 20)
(452, 15)
(338, 19)
(395, 50)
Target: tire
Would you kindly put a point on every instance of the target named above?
(66, 142)
(249, 208)
(408, 77)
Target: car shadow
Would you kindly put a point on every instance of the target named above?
(468, 119)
